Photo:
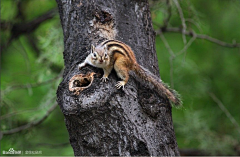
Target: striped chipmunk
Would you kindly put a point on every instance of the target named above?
(115, 54)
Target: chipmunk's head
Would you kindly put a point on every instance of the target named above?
(99, 56)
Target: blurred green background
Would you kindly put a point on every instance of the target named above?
(207, 75)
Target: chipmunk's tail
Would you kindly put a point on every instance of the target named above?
(156, 84)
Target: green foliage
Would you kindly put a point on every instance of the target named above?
(204, 68)
(198, 134)
(29, 84)
(8, 10)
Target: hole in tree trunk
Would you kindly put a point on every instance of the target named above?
(80, 82)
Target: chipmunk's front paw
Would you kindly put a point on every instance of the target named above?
(120, 84)
(81, 65)
(104, 79)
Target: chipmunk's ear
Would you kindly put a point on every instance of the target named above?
(92, 48)
(105, 47)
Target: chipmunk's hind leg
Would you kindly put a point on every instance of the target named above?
(122, 72)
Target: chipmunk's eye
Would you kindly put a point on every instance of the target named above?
(105, 55)
(94, 55)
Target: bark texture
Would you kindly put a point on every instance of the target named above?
(102, 120)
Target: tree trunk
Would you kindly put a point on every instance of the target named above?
(102, 120)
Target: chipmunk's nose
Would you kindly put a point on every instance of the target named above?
(101, 60)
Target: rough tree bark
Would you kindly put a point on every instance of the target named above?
(103, 120)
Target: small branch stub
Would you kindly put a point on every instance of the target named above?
(80, 82)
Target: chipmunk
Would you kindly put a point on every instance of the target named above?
(116, 54)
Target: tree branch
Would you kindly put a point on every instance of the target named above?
(223, 108)
(166, 43)
(32, 41)
(17, 112)
(21, 28)
(172, 56)
(184, 27)
(31, 124)
(18, 29)
(33, 85)
(186, 47)
(169, 10)
(200, 36)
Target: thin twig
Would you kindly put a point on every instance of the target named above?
(31, 124)
(184, 27)
(33, 85)
(169, 10)
(195, 24)
(172, 56)
(200, 36)
(171, 71)
(17, 112)
(166, 44)
(18, 29)
(186, 46)
(224, 109)
(23, 51)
